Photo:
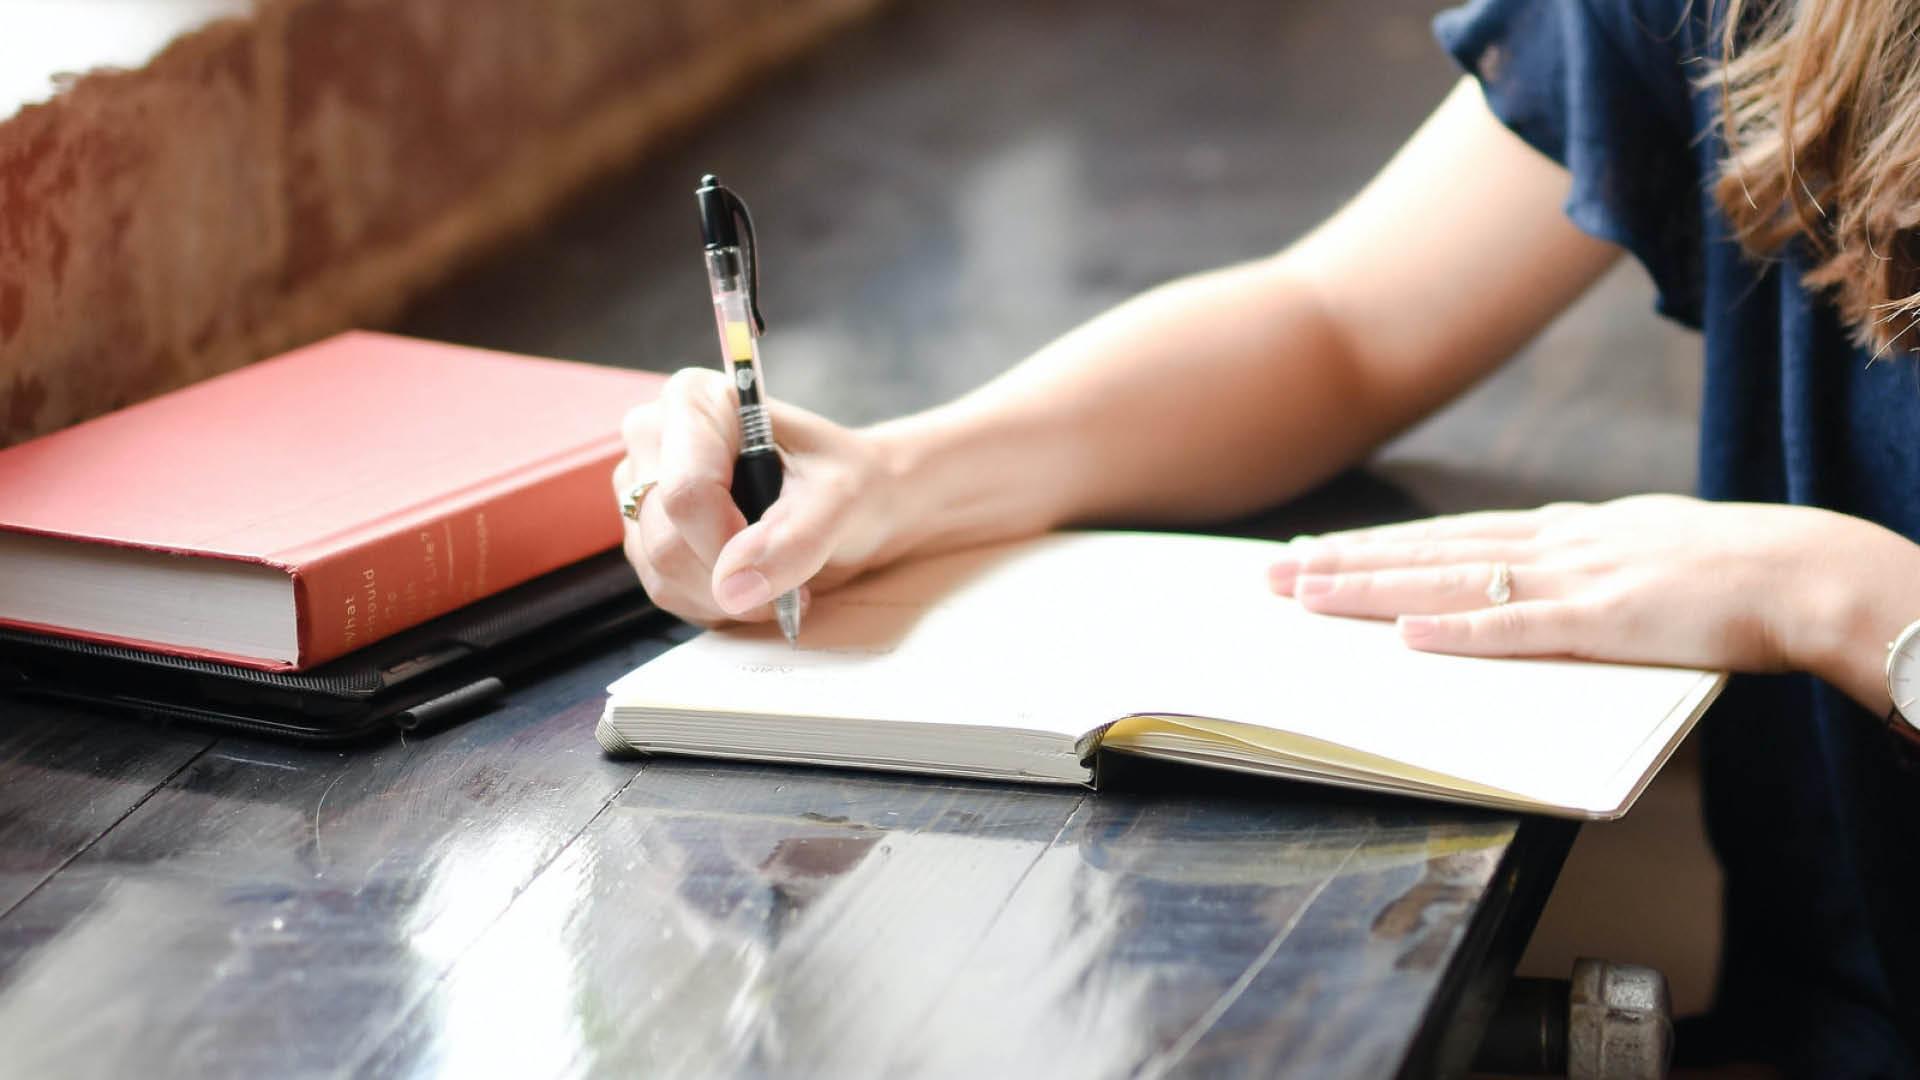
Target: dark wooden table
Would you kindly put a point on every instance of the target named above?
(938, 193)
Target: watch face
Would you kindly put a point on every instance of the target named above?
(1903, 674)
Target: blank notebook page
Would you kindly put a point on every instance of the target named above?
(1075, 630)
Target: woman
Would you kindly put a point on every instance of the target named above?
(1763, 164)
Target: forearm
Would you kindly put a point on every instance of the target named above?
(1232, 390)
(1205, 398)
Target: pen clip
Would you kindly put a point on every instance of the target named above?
(750, 249)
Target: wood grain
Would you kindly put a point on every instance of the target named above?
(267, 909)
(65, 779)
(730, 919)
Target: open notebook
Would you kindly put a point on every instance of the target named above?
(1020, 661)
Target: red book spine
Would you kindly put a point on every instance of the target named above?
(391, 575)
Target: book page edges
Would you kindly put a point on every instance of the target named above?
(41, 556)
(1268, 751)
(1234, 747)
(1694, 706)
(1166, 735)
(629, 736)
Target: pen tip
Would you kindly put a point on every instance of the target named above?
(786, 612)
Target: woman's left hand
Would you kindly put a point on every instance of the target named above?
(1660, 579)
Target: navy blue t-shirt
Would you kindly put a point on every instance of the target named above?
(1814, 820)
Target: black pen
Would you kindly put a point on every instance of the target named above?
(733, 272)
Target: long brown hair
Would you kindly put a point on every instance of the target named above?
(1821, 107)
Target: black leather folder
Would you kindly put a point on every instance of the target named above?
(440, 672)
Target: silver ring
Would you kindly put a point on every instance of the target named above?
(1500, 588)
(630, 502)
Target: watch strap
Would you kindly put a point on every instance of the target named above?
(1904, 737)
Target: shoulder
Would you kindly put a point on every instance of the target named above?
(1645, 53)
(1613, 91)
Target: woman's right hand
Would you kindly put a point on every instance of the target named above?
(696, 555)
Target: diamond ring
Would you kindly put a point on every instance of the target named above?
(1500, 588)
(630, 502)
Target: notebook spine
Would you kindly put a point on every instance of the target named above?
(1087, 747)
(610, 739)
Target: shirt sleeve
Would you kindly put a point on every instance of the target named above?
(1604, 91)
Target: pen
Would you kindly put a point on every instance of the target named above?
(733, 273)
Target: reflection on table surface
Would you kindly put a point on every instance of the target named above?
(499, 897)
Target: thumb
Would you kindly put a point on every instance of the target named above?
(778, 553)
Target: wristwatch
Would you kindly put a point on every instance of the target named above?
(1903, 686)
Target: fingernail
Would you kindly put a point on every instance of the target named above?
(743, 592)
(1418, 627)
(1313, 585)
(1281, 574)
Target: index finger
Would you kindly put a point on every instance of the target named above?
(699, 439)
(1479, 525)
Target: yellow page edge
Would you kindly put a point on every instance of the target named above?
(1288, 748)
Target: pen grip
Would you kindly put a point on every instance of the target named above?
(756, 482)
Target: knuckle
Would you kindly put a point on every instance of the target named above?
(671, 597)
(660, 585)
(682, 497)
(683, 383)
(694, 386)
(1321, 560)
(1600, 606)
(839, 487)
(1611, 608)
(649, 577)
(667, 555)
(683, 607)
(639, 426)
(1507, 623)
(796, 428)
(666, 549)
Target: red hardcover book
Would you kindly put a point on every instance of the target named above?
(294, 510)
